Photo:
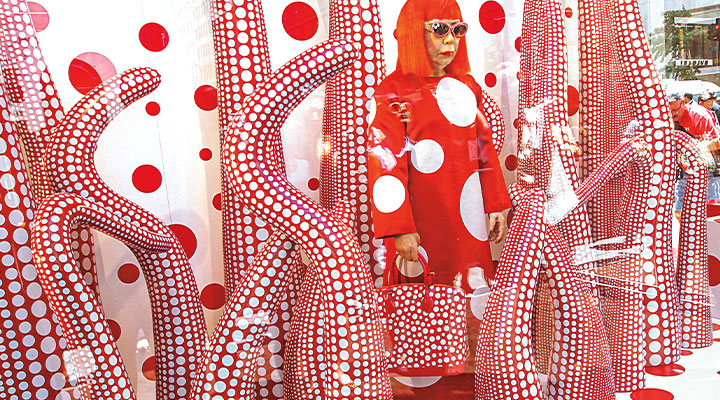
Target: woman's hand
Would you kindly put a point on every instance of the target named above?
(406, 245)
(498, 227)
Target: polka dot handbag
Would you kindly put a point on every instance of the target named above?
(425, 325)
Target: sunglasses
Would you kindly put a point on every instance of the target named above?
(442, 29)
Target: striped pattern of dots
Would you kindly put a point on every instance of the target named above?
(345, 358)
(178, 322)
(92, 358)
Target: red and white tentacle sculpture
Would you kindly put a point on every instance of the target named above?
(31, 107)
(504, 364)
(37, 109)
(92, 356)
(349, 109)
(622, 93)
(178, 321)
(30, 342)
(242, 61)
(692, 269)
(319, 361)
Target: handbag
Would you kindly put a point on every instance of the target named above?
(425, 325)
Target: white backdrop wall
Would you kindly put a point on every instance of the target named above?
(178, 146)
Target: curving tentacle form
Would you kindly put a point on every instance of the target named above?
(504, 361)
(581, 366)
(94, 357)
(28, 323)
(623, 94)
(178, 321)
(36, 108)
(651, 111)
(228, 367)
(242, 61)
(692, 270)
(545, 153)
(253, 160)
(349, 109)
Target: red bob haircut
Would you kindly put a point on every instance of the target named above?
(412, 56)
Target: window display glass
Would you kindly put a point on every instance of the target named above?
(366, 199)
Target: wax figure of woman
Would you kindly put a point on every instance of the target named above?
(433, 171)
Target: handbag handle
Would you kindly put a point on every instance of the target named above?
(391, 275)
(428, 281)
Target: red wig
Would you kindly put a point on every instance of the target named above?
(410, 33)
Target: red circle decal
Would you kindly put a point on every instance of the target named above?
(148, 368)
(187, 238)
(206, 97)
(146, 178)
(39, 16)
(205, 154)
(128, 273)
(152, 108)
(492, 17)
(88, 70)
(154, 37)
(213, 296)
(300, 21)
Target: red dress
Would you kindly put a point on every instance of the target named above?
(433, 170)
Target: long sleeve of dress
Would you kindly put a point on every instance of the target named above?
(388, 166)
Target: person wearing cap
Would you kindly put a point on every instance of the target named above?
(696, 121)
(707, 100)
(693, 119)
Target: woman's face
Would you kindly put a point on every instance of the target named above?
(441, 50)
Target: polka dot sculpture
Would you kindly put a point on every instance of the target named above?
(230, 364)
(31, 344)
(253, 166)
(622, 94)
(504, 364)
(37, 109)
(692, 271)
(92, 358)
(241, 61)
(343, 169)
(178, 321)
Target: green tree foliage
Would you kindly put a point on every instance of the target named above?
(672, 42)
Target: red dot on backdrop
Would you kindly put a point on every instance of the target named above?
(714, 268)
(313, 184)
(114, 329)
(148, 368)
(206, 97)
(568, 12)
(684, 352)
(665, 370)
(492, 17)
(213, 296)
(573, 100)
(516, 123)
(217, 202)
(128, 273)
(205, 154)
(651, 394)
(152, 108)
(186, 236)
(716, 327)
(490, 79)
(88, 70)
(300, 20)
(154, 36)
(146, 178)
(518, 44)
(511, 162)
(39, 15)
